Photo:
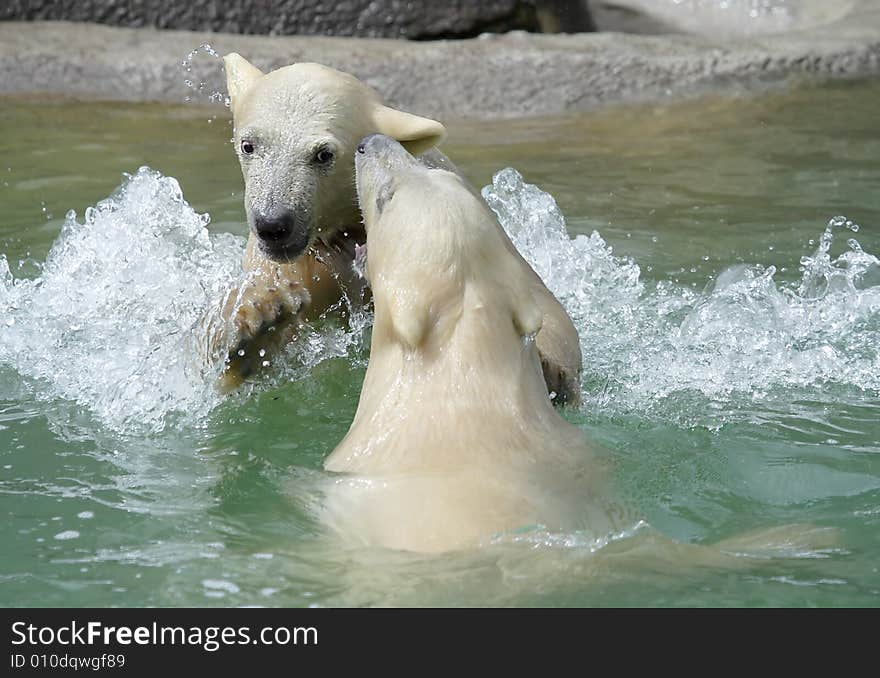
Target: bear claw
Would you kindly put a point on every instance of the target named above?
(263, 322)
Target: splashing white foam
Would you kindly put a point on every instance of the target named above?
(745, 335)
(109, 320)
(114, 319)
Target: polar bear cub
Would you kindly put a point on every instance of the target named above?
(455, 439)
(296, 129)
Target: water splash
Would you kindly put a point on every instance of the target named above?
(197, 79)
(113, 320)
(649, 344)
(108, 320)
(326, 340)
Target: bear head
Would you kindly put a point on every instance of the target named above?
(296, 129)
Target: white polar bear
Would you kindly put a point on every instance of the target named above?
(296, 130)
(454, 439)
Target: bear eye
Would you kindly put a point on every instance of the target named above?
(247, 146)
(324, 156)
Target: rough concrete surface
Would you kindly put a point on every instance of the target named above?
(509, 75)
(418, 19)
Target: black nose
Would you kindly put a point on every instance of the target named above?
(274, 230)
(362, 146)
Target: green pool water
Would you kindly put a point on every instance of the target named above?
(723, 402)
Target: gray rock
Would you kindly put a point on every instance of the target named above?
(418, 19)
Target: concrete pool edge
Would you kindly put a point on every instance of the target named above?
(511, 75)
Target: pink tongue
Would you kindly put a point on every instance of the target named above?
(360, 259)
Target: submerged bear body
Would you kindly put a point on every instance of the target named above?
(455, 439)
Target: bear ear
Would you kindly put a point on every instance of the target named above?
(240, 74)
(415, 133)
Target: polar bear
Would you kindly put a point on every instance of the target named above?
(295, 131)
(454, 443)
(454, 439)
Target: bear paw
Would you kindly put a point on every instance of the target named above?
(563, 387)
(262, 322)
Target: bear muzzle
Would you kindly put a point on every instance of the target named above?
(282, 236)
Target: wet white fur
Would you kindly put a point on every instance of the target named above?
(293, 111)
(455, 439)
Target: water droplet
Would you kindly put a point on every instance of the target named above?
(216, 93)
